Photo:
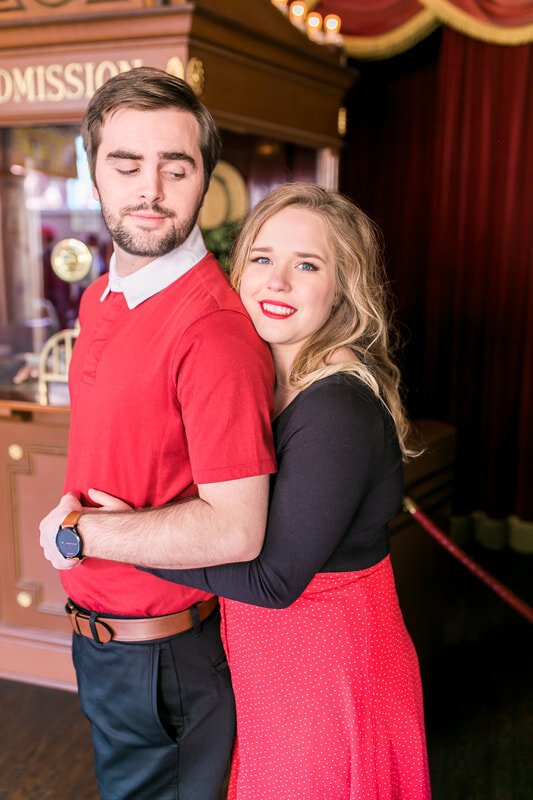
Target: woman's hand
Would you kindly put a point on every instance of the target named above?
(106, 502)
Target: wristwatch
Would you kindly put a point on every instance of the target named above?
(68, 539)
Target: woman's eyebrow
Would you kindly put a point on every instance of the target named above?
(310, 255)
(269, 249)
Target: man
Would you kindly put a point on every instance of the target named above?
(171, 393)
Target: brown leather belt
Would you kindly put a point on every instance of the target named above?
(140, 629)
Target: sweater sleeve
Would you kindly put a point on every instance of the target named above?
(330, 454)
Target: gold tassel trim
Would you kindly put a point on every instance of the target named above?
(478, 29)
(393, 42)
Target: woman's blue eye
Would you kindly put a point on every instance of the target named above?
(261, 260)
(306, 266)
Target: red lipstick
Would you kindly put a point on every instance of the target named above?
(274, 309)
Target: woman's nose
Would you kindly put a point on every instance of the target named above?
(278, 280)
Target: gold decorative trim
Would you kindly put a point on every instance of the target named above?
(15, 452)
(227, 198)
(434, 13)
(195, 76)
(393, 42)
(71, 260)
(24, 599)
(478, 29)
(175, 67)
(342, 121)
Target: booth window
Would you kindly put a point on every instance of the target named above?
(48, 215)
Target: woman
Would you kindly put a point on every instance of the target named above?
(326, 679)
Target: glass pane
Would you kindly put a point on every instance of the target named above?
(54, 245)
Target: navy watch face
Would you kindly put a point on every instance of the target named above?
(68, 542)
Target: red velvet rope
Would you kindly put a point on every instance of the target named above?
(457, 552)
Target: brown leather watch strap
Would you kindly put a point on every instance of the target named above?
(71, 519)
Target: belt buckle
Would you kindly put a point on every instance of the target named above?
(93, 621)
(75, 614)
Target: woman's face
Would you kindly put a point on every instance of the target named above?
(288, 285)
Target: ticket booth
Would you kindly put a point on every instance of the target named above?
(277, 99)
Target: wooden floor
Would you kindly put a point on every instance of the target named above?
(46, 751)
(475, 656)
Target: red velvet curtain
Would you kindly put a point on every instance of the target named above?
(479, 309)
(439, 154)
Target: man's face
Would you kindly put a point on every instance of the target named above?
(149, 180)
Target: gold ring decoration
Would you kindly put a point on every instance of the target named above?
(226, 199)
(71, 260)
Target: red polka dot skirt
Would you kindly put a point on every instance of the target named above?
(328, 693)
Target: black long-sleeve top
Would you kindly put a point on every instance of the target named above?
(339, 482)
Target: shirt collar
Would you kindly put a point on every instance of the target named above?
(159, 273)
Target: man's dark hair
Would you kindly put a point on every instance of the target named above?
(146, 89)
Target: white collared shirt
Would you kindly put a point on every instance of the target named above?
(159, 273)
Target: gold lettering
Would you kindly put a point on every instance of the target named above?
(73, 80)
(100, 76)
(123, 66)
(41, 85)
(89, 79)
(54, 82)
(24, 85)
(53, 76)
(6, 86)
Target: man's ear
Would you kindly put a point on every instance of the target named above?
(95, 193)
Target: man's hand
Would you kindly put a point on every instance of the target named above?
(69, 502)
(49, 526)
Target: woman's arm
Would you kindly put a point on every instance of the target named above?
(331, 456)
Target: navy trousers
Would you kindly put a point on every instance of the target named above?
(162, 714)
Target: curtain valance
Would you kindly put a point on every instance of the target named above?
(375, 29)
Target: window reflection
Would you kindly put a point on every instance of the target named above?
(46, 197)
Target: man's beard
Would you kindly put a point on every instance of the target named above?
(147, 243)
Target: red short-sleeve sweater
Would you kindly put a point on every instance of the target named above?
(174, 392)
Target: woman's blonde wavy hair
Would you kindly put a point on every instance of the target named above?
(360, 319)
